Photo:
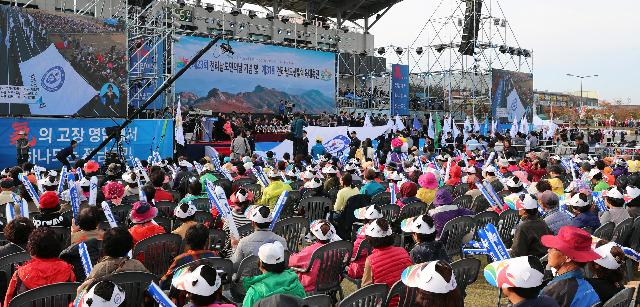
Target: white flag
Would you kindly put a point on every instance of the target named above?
(524, 126)
(430, 130)
(179, 133)
(447, 125)
(494, 127)
(466, 128)
(367, 121)
(514, 127)
(61, 90)
(476, 126)
(399, 124)
(456, 131)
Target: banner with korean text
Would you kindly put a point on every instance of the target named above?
(255, 78)
(400, 90)
(48, 136)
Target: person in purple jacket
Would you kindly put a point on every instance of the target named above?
(444, 210)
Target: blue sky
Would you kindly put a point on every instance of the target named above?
(201, 81)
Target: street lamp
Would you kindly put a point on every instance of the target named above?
(581, 78)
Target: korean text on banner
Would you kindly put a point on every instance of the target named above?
(400, 90)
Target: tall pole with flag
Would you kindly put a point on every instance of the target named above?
(437, 132)
(430, 129)
(179, 131)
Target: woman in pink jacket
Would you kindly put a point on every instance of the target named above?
(324, 233)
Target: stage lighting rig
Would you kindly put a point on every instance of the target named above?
(399, 50)
(419, 51)
(235, 11)
(253, 14)
(209, 7)
(226, 48)
(503, 49)
(526, 53)
(440, 48)
(381, 51)
(270, 17)
(284, 19)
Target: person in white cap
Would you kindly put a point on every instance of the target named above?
(276, 278)
(324, 233)
(261, 218)
(203, 285)
(104, 293)
(273, 190)
(131, 184)
(366, 215)
(614, 200)
(331, 179)
(521, 280)
(184, 213)
(386, 262)
(312, 187)
(581, 208)
(633, 194)
(526, 240)
(435, 285)
(607, 272)
(423, 231)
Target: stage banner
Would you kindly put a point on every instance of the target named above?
(48, 136)
(512, 95)
(61, 64)
(400, 90)
(335, 139)
(255, 78)
(146, 61)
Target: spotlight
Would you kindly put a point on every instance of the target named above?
(326, 26)
(503, 49)
(381, 51)
(440, 48)
(242, 26)
(511, 51)
(496, 21)
(252, 14)
(345, 29)
(226, 48)
(182, 3)
(419, 50)
(306, 23)
(279, 31)
(209, 7)
(288, 32)
(219, 24)
(518, 51)
(270, 17)
(321, 37)
(363, 54)
(399, 50)
(232, 24)
(526, 53)
(284, 19)
(235, 11)
(459, 22)
(504, 23)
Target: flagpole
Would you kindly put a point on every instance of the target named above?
(155, 95)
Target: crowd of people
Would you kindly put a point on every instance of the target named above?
(65, 23)
(554, 260)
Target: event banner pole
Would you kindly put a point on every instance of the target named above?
(155, 95)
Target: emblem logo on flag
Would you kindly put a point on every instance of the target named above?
(53, 79)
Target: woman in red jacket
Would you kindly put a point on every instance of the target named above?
(366, 215)
(44, 268)
(142, 215)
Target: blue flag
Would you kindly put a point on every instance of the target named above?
(485, 127)
(417, 124)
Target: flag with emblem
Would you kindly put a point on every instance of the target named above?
(179, 130)
(61, 90)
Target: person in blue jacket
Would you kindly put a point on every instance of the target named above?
(569, 252)
(584, 217)
(318, 149)
(64, 154)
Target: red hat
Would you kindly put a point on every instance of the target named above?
(113, 190)
(49, 200)
(572, 241)
(91, 167)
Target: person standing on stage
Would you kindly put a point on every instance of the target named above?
(64, 154)
(22, 148)
(297, 129)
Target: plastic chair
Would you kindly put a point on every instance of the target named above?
(605, 231)
(54, 295)
(406, 295)
(203, 217)
(165, 222)
(360, 252)
(463, 201)
(332, 258)
(202, 204)
(128, 200)
(622, 232)
(3, 240)
(64, 235)
(121, 213)
(369, 296)
(621, 299)
(256, 189)
(479, 204)
(134, 284)
(243, 181)
(8, 265)
(315, 207)
(460, 189)
(245, 230)
(497, 185)
(292, 230)
(634, 243)
(158, 251)
(506, 224)
(166, 208)
(248, 267)
(454, 231)
(381, 199)
(391, 212)
(412, 210)
(466, 272)
(296, 185)
(318, 300)
(220, 264)
(217, 239)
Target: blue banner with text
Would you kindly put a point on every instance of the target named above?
(400, 90)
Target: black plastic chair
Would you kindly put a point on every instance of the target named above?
(506, 225)
(3, 240)
(292, 229)
(412, 210)
(364, 250)
(64, 235)
(318, 300)
(498, 186)
(331, 259)
(634, 243)
(158, 252)
(479, 204)
(248, 267)
(460, 189)
(245, 230)
(369, 296)
(605, 231)
(54, 295)
(315, 207)
(121, 213)
(622, 232)
(454, 232)
(217, 239)
(381, 199)
(296, 185)
(406, 295)
(165, 208)
(621, 299)
(391, 212)
(464, 201)
(466, 272)
(165, 222)
(8, 265)
(202, 204)
(255, 188)
(203, 217)
(243, 181)
(135, 286)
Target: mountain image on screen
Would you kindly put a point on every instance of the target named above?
(260, 100)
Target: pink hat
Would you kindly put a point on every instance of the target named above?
(396, 143)
(113, 190)
(428, 181)
(142, 212)
(572, 241)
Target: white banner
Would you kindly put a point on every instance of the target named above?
(17, 94)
